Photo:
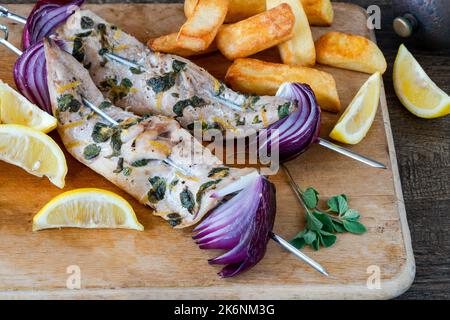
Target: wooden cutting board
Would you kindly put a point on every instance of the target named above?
(165, 263)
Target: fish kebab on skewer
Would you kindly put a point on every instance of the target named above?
(129, 155)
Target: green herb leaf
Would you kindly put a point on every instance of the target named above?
(313, 223)
(105, 104)
(83, 34)
(338, 204)
(115, 90)
(173, 183)
(338, 227)
(174, 219)
(194, 101)
(256, 120)
(298, 242)
(116, 144)
(310, 236)
(91, 151)
(158, 189)
(119, 167)
(327, 239)
(140, 163)
(351, 215)
(311, 197)
(178, 65)
(102, 132)
(354, 227)
(203, 189)
(127, 171)
(86, 22)
(187, 200)
(325, 219)
(126, 83)
(136, 70)
(321, 226)
(220, 172)
(67, 102)
(283, 110)
(162, 83)
(78, 49)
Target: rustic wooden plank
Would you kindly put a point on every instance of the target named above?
(131, 264)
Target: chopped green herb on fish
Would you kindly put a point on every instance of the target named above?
(158, 189)
(91, 151)
(220, 172)
(86, 23)
(187, 200)
(140, 163)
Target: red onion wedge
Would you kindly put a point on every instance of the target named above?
(30, 75)
(300, 129)
(45, 17)
(242, 226)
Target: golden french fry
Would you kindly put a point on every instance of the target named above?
(237, 10)
(256, 33)
(319, 12)
(200, 29)
(350, 52)
(168, 44)
(189, 7)
(243, 9)
(300, 49)
(264, 78)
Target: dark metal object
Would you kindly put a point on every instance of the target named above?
(425, 23)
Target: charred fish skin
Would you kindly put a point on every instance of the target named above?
(131, 154)
(168, 85)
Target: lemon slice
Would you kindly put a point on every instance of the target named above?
(87, 208)
(416, 91)
(33, 151)
(357, 119)
(16, 109)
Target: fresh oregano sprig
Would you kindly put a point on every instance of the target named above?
(322, 225)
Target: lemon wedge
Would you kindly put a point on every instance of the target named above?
(16, 109)
(416, 91)
(87, 208)
(357, 119)
(33, 151)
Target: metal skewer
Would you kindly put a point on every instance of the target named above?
(286, 245)
(4, 13)
(346, 152)
(4, 41)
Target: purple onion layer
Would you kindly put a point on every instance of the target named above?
(30, 75)
(296, 132)
(45, 17)
(241, 226)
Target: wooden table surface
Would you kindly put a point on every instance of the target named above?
(423, 152)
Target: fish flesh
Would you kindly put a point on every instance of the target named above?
(151, 157)
(165, 84)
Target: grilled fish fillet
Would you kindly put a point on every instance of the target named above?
(148, 157)
(166, 85)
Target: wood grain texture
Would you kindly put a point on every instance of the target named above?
(158, 262)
